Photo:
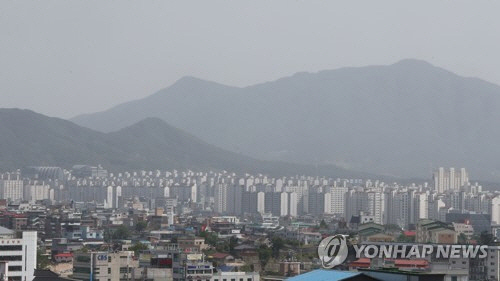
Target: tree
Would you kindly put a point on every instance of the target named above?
(486, 238)
(404, 238)
(292, 242)
(122, 232)
(392, 227)
(233, 242)
(462, 239)
(210, 238)
(264, 254)
(323, 224)
(137, 247)
(246, 268)
(278, 244)
(140, 226)
(42, 260)
(108, 235)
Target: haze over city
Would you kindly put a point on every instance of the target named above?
(90, 56)
(249, 140)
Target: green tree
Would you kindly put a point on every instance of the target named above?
(265, 254)
(486, 238)
(278, 244)
(392, 227)
(246, 268)
(122, 232)
(462, 239)
(233, 242)
(404, 238)
(140, 226)
(323, 224)
(210, 238)
(42, 260)
(137, 247)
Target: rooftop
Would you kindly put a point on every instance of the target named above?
(324, 275)
(6, 231)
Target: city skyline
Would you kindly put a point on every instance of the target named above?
(215, 140)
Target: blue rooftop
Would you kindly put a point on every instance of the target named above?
(226, 268)
(324, 275)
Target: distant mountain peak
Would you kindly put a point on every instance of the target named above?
(151, 121)
(29, 138)
(15, 110)
(195, 82)
(413, 63)
(416, 115)
(189, 79)
(149, 125)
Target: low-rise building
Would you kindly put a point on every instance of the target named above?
(236, 276)
(192, 242)
(63, 257)
(105, 266)
(429, 231)
(463, 228)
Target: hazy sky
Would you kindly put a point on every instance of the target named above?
(63, 58)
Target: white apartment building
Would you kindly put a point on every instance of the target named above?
(19, 254)
(284, 204)
(338, 200)
(11, 187)
(36, 192)
(495, 210)
(302, 197)
(261, 200)
(422, 206)
(451, 179)
(376, 206)
(493, 263)
(220, 194)
(292, 204)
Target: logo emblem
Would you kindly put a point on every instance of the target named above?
(333, 250)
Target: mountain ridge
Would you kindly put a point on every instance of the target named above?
(403, 119)
(30, 139)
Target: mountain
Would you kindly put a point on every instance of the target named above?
(28, 138)
(402, 119)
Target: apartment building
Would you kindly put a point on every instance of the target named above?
(19, 254)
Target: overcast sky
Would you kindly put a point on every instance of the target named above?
(63, 58)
